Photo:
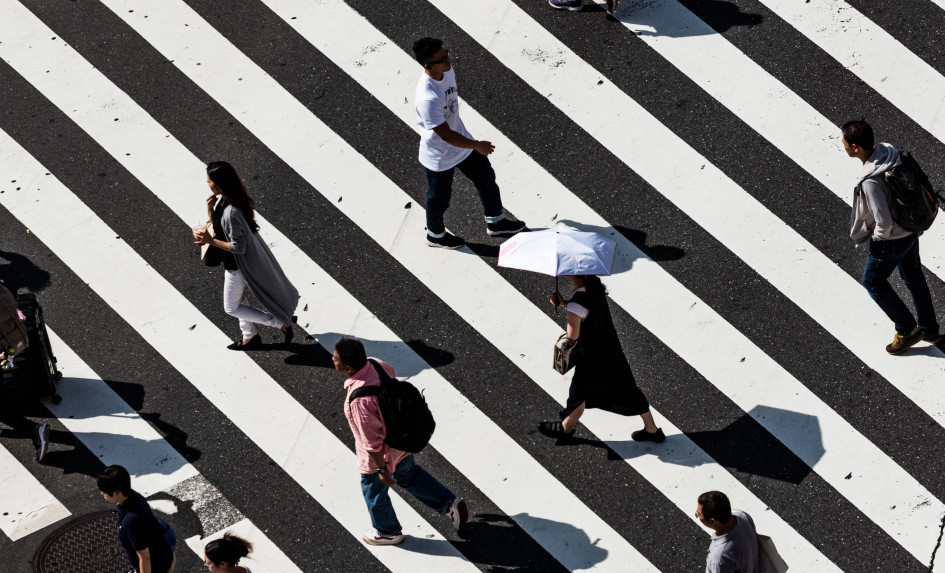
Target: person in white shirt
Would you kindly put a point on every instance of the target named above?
(446, 145)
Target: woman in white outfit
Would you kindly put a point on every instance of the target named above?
(255, 266)
(223, 555)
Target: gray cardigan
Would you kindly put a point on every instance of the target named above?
(262, 272)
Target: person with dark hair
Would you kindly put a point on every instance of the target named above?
(381, 466)
(734, 546)
(891, 247)
(223, 555)
(247, 260)
(602, 376)
(140, 533)
(446, 145)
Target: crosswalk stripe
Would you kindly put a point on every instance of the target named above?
(262, 121)
(110, 429)
(516, 170)
(315, 458)
(522, 491)
(265, 558)
(114, 432)
(381, 70)
(291, 146)
(872, 54)
(26, 505)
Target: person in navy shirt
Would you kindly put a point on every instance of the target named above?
(140, 533)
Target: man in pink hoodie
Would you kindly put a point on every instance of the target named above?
(890, 246)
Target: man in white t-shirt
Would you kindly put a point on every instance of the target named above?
(446, 145)
(734, 547)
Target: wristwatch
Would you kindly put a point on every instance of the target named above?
(382, 470)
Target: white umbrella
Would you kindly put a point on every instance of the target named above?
(559, 252)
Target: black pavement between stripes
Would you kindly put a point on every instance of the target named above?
(707, 267)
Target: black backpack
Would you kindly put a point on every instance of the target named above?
(409, 421)
(912, 202)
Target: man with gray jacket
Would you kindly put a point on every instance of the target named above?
(890, 246)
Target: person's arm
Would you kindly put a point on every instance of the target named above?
(384, 472)
(457, 139)
(875, 194)
(574, 326)
(366, 415)
(144, 560)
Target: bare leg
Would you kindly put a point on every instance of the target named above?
(572, 419)
(648, 424)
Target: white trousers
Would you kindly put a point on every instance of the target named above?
(234, 295)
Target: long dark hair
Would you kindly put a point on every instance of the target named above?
(234, 192)
(593, 285)
(230, 549)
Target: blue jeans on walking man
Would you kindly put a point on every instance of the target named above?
(412, 478)
(440, 189)
(886, 256)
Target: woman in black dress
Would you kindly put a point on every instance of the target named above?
(602, 377)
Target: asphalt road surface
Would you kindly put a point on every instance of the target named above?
(702, 136)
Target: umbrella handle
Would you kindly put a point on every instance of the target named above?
(556, 290)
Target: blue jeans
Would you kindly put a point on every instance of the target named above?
(412, 478)
(440, 189)
(885, 256)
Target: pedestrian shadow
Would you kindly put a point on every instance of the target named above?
(627, 255)
(19, 272)
(408, 358)
(743, 446)
(496, 543)
(719, 15)
(746, 447)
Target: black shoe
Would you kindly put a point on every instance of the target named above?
(644, 436)
(447, 241)
(931, 338)
(287, 331)
(902, 343)
(255, 343)
(554, 430)
(505, 227)
(41, 440)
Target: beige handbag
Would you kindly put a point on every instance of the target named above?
(566, 354)
(208, 228)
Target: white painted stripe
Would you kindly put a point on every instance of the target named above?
(873, 55)
(317, 460)
(795, 128)
(371, 212)
(736, 366)
(110, 428)
(376, 63)
(521, 490)
(25, 505)
(114, 432)
(265, 558)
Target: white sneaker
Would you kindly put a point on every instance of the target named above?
(374, 537)
(459, 513)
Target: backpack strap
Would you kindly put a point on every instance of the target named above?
(384, 376)
(371, 390)
(364, 391)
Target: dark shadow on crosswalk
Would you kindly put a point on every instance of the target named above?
(19, 272)
(486, 533)
(719, 15)
(741, 446)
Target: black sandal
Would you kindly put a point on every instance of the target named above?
(254, 343)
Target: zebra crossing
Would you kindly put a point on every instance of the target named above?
(760, 353)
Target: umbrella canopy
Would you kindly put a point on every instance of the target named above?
(559, 252)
